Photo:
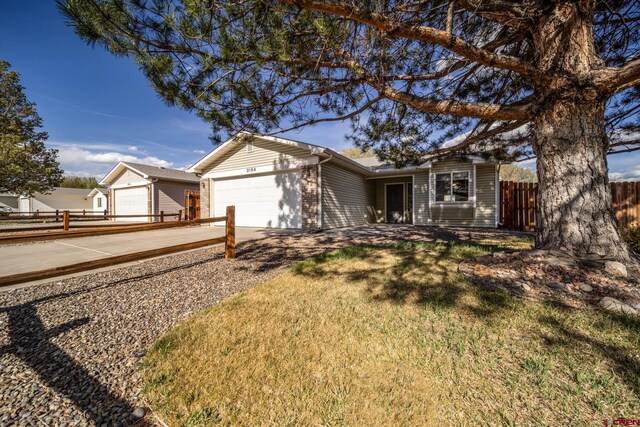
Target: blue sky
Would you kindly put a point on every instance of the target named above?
(99, 109)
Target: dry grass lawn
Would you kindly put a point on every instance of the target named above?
(373, 336)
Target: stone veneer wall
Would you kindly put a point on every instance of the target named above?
(310, 198)
(205, 193)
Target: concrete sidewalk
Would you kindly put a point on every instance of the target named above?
(23, 258)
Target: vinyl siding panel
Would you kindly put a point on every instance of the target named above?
(264, 153)
(485, 196)
(347, 197)
(127, 177)
(421, 198)
(169, 196)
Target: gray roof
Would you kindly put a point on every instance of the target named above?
(369, 162)
(163, 173)
(65, 191)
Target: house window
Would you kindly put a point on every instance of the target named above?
(249, 147)
(99, 202)
(452, 187)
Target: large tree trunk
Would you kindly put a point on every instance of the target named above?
(574, 200)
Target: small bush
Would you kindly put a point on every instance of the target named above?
(631, 235)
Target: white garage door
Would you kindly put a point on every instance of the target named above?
(131, 201)
(273, 201)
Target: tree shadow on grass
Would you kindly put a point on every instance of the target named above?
(421, 274)
(626, 365)
(441, 287)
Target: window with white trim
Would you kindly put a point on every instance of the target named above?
(249, 146)
(99, 202)
(452, 187)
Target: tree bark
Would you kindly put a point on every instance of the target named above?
(569, 139)
(574, 199)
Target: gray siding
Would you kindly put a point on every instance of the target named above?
(380, 195)
(482, 187)
(421, 198)
(264, 153)
(128, 176)
(347, 197)
(169, 196)
(485, 196)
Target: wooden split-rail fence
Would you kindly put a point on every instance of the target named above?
(518, 204)
(229, 240)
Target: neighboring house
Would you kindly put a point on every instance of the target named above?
(137, 189)
(279, 183)
(10, 201)
(60, 198)
(100, 199)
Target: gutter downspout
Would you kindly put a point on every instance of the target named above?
(497, 198)
(153, 201)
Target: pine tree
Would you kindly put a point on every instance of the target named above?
(557, 79)
(26, 165)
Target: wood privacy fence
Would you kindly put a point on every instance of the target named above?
(229, 240)
(518, 204)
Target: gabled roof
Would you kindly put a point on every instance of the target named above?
(369, 166)
(98, 190)
(63, 191)
(149, 172)
(229, 144)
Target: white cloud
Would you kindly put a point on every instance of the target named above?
(80, 161)
(135, 149)
(199, 151)
(630, 175)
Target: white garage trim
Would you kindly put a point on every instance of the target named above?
(130, 184)
(267, 200)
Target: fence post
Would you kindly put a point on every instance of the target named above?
(180, 215)
(230, 233)
(105, 214)
(161, 216)
(57, 215)
(84, 212)
(65, 221)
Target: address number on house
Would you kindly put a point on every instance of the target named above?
(251, 169)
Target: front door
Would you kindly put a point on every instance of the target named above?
(395, 203)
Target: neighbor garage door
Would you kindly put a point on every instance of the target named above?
(273, 200)
(131, 201)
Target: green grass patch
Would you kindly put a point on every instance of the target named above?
(393, 335)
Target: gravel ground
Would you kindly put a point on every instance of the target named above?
(70, 350)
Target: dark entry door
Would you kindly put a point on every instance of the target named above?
(395, 203)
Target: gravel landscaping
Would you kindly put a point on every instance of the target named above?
(70, 351)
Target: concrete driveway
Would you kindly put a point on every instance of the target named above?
(23, 258)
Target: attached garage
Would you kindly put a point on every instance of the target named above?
(137, 189)
(271, 200)
(132, 201)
